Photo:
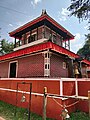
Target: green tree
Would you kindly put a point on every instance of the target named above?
(85, 50)
(80, 9)
(5, 47)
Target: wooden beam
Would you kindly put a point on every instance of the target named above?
(69, 44)
(37, 33)
(61, 39)
(44, 103)
(44, 31)
(65, 44)
(19, 41)
(15, 43)
(89, 101)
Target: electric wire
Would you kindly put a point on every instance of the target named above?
(4, 21)
(14, 10)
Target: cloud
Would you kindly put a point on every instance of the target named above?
(63, 15)
(86, 27)
(20, 23)
(65, 12)
(8, 13)
(32, 3)
(10, 25)
(35, 2)
(77, 43)
(77, 37)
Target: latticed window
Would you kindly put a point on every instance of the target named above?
(47, 64)
(64, 65)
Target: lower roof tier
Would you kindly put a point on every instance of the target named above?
(41, 47)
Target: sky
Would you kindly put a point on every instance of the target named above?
(14, 13)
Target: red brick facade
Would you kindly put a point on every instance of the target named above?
(31, 66)
(41, 34)
(56, 66)
(4, 67)
(34, 66)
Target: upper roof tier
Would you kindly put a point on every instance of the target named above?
(44, 19)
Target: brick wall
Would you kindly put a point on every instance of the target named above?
(56, 67)
(31, 66)
(4, 66)
(27, 66)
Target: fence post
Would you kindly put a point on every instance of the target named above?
(89, 101)
(44, 103)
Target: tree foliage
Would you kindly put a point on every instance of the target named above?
(5, 47)
(85, 50)
(80, 8)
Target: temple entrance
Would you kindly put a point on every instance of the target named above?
(13, 67)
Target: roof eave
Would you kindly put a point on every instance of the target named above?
(42, 17)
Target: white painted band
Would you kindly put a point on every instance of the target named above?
(48, 79)
(40, 94)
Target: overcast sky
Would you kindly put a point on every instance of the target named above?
(14, 13)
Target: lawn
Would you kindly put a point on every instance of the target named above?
(79, 116)
(7, 111)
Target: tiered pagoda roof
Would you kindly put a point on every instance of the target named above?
(47, 20)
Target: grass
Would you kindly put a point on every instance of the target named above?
(7, 111)
(79, 116)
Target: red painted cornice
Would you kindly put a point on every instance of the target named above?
(41, 47)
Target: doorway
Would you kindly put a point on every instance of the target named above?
(13, 70)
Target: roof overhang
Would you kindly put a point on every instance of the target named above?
(41, 47)
(39, 21)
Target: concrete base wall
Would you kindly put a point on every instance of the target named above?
(68, 86)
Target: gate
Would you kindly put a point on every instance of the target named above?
(21, 95)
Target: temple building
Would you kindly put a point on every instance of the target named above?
(41, 49)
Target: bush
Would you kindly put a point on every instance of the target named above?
(79, 116)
